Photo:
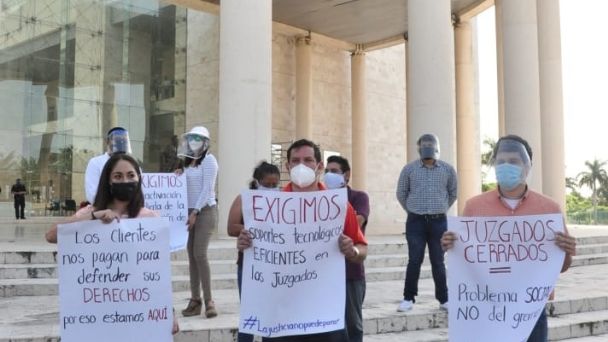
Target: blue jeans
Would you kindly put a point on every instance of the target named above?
(422, 230)
(541, 331)
(355, 293)
(242, 337)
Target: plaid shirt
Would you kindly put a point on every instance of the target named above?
(427, 190)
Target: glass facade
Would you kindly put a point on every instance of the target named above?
(69, 71)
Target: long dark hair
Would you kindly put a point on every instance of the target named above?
(191, 162)
(104, 196)
(262, 170)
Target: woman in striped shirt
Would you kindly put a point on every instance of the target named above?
(200, 168)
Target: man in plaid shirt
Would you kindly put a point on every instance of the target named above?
(426, 190)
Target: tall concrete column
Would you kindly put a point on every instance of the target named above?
(499, 68)
(407, 99)
(551, 104)
(521, 78)
(245, 91)
(303, 88)
(467, 117)
(359, 120)
(430, 76)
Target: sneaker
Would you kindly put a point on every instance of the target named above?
(210, 310)
(405, 305)
(444, 306)
(193, 308)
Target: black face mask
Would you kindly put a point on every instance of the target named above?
(123, 191)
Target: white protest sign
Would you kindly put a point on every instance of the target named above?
(293, 275)
(167, 194)
(115, 281)
(501, 272)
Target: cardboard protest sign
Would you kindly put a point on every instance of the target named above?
(167, 194)
(293, 275)
(115, 281)
(501, 272)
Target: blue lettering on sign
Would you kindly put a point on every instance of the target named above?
(252, 322)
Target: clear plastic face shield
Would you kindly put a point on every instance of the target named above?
(192, 146)
(511, 164)
(428, 146)
(118, 141)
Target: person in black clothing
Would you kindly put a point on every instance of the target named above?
(18, 191)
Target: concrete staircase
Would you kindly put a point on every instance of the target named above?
(29, 302)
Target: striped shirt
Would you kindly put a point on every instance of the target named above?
(201, 183)
(427, 190)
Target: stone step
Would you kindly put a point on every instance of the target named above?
(441, 335)
(378, 267)
(381, 322)
(29, 280)
(49, 285)
(592, 249)
(179, 267)
(224, 249)
(580, 290)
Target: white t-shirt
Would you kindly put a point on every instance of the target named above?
(92, 174)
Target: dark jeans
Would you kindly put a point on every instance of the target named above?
(333, 336)
(242, 337)
(355, 294)
(421, 230)
(19, 208)
(541, 331)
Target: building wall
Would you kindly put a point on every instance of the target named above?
(331, 107)
(108, 75)
(387, 141)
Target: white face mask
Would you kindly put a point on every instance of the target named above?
(302, 175)
(334, 180)
(195, 145)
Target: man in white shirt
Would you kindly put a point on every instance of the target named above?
(117, 141)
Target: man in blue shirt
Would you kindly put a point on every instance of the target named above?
(426, 190)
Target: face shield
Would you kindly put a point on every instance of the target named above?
(511, 164)
(193, 145)
(118, 141)
(428, 146)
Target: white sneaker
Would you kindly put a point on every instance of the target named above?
(405, 305)
(444, 306)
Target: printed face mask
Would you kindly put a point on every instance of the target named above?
(509, 176)
(123, 191)
(302, 176)
(334, 180)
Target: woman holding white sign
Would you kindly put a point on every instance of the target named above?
(200, 168)
(266, 176)
(119, 196)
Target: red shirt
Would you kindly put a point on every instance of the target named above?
(351, 227)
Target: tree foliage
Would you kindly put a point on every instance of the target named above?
(595, 178)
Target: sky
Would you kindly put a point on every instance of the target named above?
(585, 80)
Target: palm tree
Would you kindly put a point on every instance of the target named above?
(486, 157)
(572, 185)
(595, 178)
(486, 160)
